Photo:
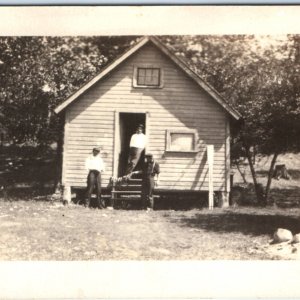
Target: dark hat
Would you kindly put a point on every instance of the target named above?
(149, 155)
(98, 149)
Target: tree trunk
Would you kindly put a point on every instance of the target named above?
(258, 191)
(242, 174)
(270, 176)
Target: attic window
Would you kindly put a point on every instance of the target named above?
(147, 76)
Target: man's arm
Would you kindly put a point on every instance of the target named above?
(157, 180)
(102, 169)
(136, 172)
(157, 171)
(131, 140)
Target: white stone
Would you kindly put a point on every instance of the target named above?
(282, 235)
(296, 238)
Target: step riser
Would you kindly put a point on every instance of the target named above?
(126, 193)
(125, 189)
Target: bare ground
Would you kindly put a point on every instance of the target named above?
(44, 230)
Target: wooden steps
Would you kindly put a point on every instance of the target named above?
(121, 194)
(130, 190)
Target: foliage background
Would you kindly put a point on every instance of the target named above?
(258, 75)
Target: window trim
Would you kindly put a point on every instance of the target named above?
(147, 66)
(186, 131)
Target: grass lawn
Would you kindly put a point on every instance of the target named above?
(44, 230)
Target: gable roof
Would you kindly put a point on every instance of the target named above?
(181, 64)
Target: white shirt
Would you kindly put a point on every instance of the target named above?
(95, 163)
(138, 140)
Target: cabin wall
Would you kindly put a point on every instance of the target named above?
(180, 104)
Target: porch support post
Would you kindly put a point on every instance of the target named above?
(67, 194)
(223, 199)
(210, 160)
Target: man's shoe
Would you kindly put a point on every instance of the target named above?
(102, 201)
(100, 204)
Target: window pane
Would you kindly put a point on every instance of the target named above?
(141, 71)
(148, 76)
(182, 141)
(153, 79)
(148, 72)
(155, 73)
(141, 81)
(141, 76)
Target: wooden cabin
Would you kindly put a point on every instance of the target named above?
(181, 114)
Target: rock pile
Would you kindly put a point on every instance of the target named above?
(282, 235)
(285, 245)
(296, 238)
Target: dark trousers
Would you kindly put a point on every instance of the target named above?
(133, 159)
(147, 191)
(94, 181)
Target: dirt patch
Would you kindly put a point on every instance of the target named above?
(286, 251)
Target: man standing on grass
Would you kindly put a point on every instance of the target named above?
(137, 145)
(94, 165)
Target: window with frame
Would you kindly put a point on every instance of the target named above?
(181, 141)
(148, 76)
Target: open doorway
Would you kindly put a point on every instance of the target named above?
(128, 123)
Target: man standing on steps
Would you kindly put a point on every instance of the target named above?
(150, 170)
(137, 145)
(95, 166)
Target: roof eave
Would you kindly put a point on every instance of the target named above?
(102, 74)
(210, 90)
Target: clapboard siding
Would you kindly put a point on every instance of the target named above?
(181, 104)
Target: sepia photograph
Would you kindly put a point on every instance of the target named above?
(146, 145)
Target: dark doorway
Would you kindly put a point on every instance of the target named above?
(128, 123)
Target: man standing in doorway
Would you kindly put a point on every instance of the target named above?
(137, 145)
(94, 165)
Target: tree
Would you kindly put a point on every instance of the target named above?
(38, 73)
(260, 77)
(272, 111)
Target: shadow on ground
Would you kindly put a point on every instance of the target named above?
(173, 201)
(247, 224)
